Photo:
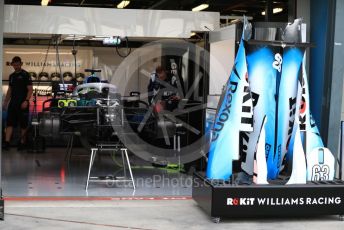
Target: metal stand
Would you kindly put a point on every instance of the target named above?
(69, 147)
(176, 143)
(341, 217)
(125, 159)
(70, 143)
(216, 220)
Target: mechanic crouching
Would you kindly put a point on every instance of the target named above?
(162, 91)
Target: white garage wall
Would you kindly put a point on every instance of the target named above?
(137, 67)
(33, 59)
(105, 21)
(343, 105)
(222, 54)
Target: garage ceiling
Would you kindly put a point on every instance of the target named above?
(252, 8)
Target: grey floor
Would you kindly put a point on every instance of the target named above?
(141, 215)
(35, 176)
(47, 174)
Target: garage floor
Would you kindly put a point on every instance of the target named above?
(140, 215)
(48, 174)
(42, 191)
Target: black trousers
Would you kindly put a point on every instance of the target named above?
(16, 115)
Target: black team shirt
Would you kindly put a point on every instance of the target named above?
(19, 81)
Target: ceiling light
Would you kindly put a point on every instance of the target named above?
(241, 11)
(45, 2)
(74, 37)
(275, 11)
(97, 39)
(77, 36)
(200, 7)
(123, 4)
(112, 41)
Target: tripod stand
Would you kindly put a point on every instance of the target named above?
(36, 142)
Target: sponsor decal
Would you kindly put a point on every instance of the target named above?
(243, 142)
(320, 172)
(303, 107)
(277, 64)
(246, 109)
(224, 113)
(48, 64)
(244, 136)
(292, 110)
(273, 201)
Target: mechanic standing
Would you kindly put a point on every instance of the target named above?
(17, 102)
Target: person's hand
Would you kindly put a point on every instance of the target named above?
(159, 106)
(175, 98)
(24, 105)
(4, 106)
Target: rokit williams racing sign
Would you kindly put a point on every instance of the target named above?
(298, 201)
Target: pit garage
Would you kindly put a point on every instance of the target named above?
(94, 128)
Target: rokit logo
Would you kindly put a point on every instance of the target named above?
(240, 201)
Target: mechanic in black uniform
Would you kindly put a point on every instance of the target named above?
(162, 90)
(17, 102)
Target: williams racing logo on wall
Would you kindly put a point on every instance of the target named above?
(298, 201)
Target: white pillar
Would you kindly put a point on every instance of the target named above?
(1, 65)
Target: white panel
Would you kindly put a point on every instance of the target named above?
(105, 21)
(342, 150)
(135, 77)
(34, 58)
(222, 54)
(223, 34)
(343, 105)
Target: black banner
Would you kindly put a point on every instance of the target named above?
(225, 200)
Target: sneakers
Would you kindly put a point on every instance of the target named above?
(5, 145)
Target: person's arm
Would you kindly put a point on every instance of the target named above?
(8, 97)
(26, 103)
(29, 92)
(174, 84)
(150, 89)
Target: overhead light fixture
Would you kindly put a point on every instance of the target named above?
(112, 41)
(274, 11)
(200, 7)
(97, 39)
(240, 11)
(74, 37)
(45, 2)
(123, 4)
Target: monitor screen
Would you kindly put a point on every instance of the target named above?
(66, 87)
